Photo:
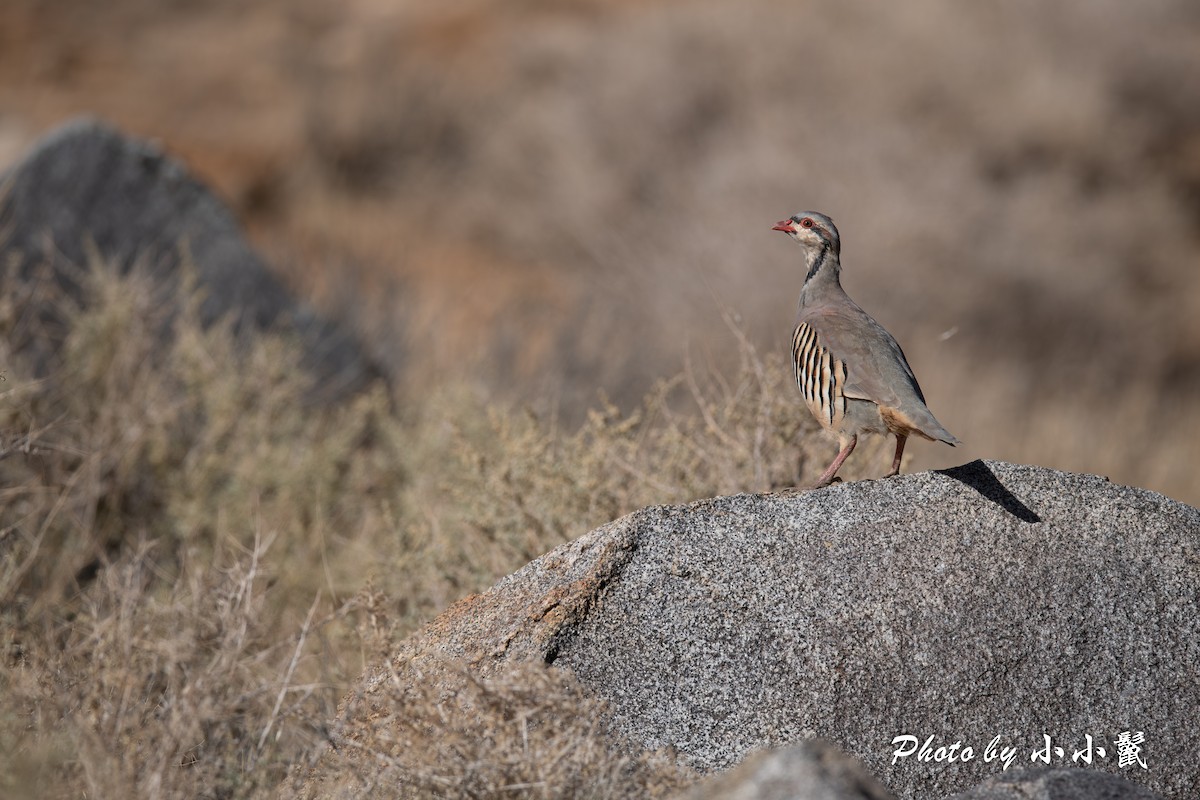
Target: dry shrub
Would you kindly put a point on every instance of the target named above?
(148, 690)
(193, 688)
(156, 646)
(506, 190)
(441, 730)
(498, 487)
(153, 426)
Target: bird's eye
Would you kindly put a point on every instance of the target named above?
(806, 222)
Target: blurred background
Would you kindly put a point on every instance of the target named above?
(560, 200)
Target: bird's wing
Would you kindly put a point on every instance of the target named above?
(876, 368)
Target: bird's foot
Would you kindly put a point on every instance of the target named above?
(823, 484)
(788, 491)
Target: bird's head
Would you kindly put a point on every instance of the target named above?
(813, 231)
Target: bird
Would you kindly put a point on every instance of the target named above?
(852, 373)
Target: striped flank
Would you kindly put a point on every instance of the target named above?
(820, 377)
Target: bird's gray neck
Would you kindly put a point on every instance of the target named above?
(824, 267)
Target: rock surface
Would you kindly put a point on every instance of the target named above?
(811, 770)
(85, 188)
(1057, 784)
(817, 770)
(989, 600)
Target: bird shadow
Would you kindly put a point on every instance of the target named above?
(979, 476)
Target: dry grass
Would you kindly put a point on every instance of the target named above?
(196, 564)
(160, 495)
(143, 688)
(442, 731)
(507, 190)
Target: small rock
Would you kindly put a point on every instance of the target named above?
(811, 770)
(1057, 784)
(87, 188)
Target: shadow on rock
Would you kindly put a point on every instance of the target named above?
(980, 477)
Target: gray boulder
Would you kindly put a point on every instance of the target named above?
(85, 188)
(811, 770)
(986, 606)
(1057, 784)
(817, 770)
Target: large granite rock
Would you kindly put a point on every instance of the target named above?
(87, 189)
(987, 603)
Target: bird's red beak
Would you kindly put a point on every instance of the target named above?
(784, 225)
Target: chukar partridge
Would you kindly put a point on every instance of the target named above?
(852, 373)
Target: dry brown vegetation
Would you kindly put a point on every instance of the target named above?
(546, 198)
(196, 564)
(526, 208)
(444, 731)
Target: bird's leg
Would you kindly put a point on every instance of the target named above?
(901, 438)
(827, 476)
